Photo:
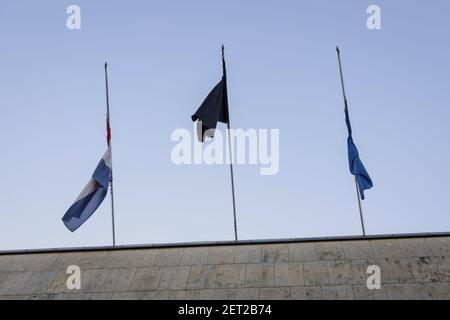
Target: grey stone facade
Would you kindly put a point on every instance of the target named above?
(415, 268)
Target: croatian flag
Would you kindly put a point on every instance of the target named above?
(92, 195)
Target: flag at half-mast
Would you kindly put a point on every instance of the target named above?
(214, 109)
(94, 192)
(356, 166)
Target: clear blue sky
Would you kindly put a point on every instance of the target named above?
(164, 57)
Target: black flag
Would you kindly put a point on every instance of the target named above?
(214, 109)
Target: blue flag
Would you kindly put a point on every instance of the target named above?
(92, 195)
(355, 163)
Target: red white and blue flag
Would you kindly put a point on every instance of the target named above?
(92, 195)
(95, 191)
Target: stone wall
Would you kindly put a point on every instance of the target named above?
(414, 268)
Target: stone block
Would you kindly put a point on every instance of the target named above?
(415, 247)
(84, 260)
(318, 273)
(289, 274)
(275, 253)
(3, 276)
(405, 291)
(116, 259)
(13, 282)
(168, 257)
(439, 246)
(59, 284)
(275, 293)
(247, 254)
(42, 262)
(64, 260)
(388, 274)
(194, 256)
(431, 265)
(443, 268)
(410, 270)
(230, 276)
(92, 260)
(146, 279)
(386, 248)
(155, 295)
(20, 297)
(338, 293)
(349, 272)
(174, 278)
(15, 263)
(128, 296)
(40, 297)
(363, 293)
(119, 279)
(435, 291)
(306, 293)
(38, 282)
(260, 275)
(92, 280)
(184, 295)
(360, 249)
(220, 255)
(302, 251)
(214, 294)
(202, 277)
(142, 258)
(330, 250)
(244, 294)
(83, 296)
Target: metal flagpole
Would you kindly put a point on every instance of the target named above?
(230, 149)
(346, 109)
(232, 182)
(360, 208)
(108, 128)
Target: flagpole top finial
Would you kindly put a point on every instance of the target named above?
(106, 64)
(337, 49)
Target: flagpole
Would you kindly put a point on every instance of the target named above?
(110, 147)
(230, 152)
(346, 109)
(360, 208)
(232, 183)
